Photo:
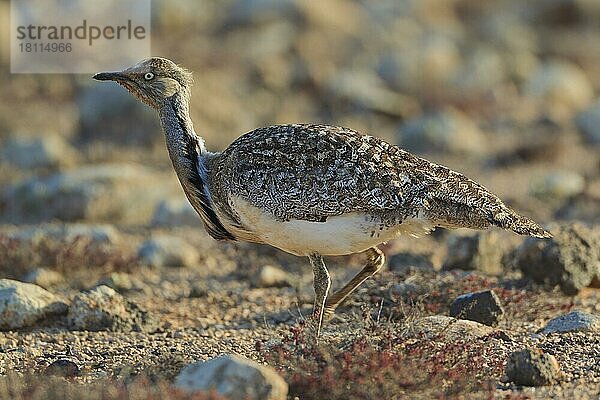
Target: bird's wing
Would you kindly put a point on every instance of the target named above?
(311, 172)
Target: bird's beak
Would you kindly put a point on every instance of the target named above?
(109, 76)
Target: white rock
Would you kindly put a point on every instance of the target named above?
(22, 304)
(233, 377)
(271, 276)
(575, 321)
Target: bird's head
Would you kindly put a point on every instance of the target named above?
(153, 80)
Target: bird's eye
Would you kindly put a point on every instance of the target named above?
(148, 76)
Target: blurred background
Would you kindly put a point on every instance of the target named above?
(505, 91)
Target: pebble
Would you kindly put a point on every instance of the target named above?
(168, 251)
(63, 367)
(484, 307)
(233, 377)
(575, 321)
(271, 276)
(23, 304)
(449, 328)
(532, 367)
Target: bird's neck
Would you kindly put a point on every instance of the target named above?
(178, 127)
(188, 154)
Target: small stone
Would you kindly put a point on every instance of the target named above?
(168, 251)
(402, 263)
(558, 184)
(406, 290)
(23, 304)
(175, 212)
(102, 308)
(119, 281)
(233, 377)
(588, 123)
(532, 367)
(63, 367)
(570, 259)
(483, 307)
(271, 276)
(198, 290)
(449, 328)
(575, 321)
(44, 277)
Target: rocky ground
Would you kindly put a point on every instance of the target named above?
(110, 289)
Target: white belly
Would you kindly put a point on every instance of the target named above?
(338, 235)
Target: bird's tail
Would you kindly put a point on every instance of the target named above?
(508, 219)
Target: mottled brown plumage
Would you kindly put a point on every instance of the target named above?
(311, 190)
(312, 172)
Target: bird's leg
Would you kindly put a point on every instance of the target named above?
(321, 283)
(375, 260)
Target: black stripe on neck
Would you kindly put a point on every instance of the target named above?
(212, 224)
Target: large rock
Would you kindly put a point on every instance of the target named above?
(168, 251)
(48, 151)
(124, 193)
(484, 307)
(444, 131)
(570, 259)
(532, 367)
(482, 251)
(23, 304)
(575, 321)
(102, 308)
(233, 377)
(562, 87)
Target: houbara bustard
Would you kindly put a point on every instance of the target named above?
(311, 190)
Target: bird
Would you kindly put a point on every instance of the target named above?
(311, 190)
